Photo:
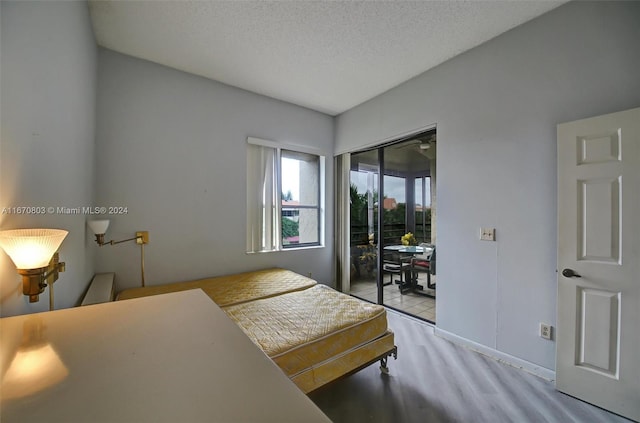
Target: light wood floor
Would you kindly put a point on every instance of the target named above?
(434, 380)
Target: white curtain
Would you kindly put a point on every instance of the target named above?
(263, 225)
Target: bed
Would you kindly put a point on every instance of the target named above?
(312, 332)
(233, 289)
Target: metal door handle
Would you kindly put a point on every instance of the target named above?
(569, 273)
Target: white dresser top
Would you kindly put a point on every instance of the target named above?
(167, 358)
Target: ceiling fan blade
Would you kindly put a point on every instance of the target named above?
(407, 144)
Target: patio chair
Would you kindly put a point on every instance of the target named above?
(394, 264)
(424, 263)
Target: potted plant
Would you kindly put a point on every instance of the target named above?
(368, 258)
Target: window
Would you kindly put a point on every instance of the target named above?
(284, 197)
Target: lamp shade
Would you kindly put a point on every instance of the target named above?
(31, 248)
(99, 227)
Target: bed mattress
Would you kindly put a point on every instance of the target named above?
(233, 289)
(304, 329)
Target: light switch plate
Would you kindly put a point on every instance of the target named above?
(487, 234)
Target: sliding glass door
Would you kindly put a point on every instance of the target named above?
(391, 195)
(364, 187)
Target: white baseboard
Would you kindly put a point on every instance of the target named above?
(519, 363)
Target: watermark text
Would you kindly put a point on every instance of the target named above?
(64, 210)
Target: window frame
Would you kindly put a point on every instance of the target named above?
(280, 156)
(276, 224)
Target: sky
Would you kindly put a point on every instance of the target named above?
(290, 180)
(393, 186)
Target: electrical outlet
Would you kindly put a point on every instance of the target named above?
(487, 234)
(545, 331)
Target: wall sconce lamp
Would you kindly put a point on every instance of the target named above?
(99, 228)
(33, 252)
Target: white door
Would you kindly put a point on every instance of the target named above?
(598, 326)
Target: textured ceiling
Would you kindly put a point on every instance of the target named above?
(327, 56)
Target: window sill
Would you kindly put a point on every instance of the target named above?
(307, 247)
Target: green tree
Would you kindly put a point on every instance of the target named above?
(397, 215)
(289, 228)
(358, 208)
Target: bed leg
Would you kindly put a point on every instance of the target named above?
(383, 361)
(383, 366)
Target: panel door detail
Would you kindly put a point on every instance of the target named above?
(598, 323)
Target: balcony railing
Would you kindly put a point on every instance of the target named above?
(391, 234)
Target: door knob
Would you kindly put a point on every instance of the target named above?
(569, 273)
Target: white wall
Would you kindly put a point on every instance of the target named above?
(48, 87)
(496, 108)
(171, 148)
